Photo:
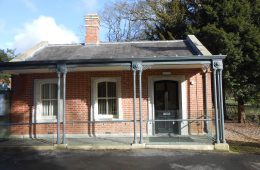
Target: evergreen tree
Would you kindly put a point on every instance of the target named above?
(6, 55)
(168, 20)
(232, 27)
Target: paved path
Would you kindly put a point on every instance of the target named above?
(134, 159)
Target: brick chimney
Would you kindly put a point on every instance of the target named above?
(92, 29)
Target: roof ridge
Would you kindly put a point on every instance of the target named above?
(116, 43)
(137, 42)
(74, 44)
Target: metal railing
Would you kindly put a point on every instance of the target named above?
(83, 131)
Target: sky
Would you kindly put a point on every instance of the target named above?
(24, 23)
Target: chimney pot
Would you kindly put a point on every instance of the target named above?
(92, 29)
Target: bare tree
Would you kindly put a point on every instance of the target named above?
(124, 20)
(143, 19)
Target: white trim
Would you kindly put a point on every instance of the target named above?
(94, 104)
(37, 118)
(142, 42)
(182, 89)
(195, 43)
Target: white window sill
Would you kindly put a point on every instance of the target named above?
(47, 120)
(107, 119)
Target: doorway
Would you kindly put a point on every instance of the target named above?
(166, 105)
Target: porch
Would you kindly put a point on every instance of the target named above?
(168, 123)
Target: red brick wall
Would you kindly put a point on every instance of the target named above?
(79, 102)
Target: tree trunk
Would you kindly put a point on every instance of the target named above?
(241, 112)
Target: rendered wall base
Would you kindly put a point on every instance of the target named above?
(138, 145)
(60, 146)
(221, 147)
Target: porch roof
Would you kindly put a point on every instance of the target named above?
(49, 64)
(45, 56)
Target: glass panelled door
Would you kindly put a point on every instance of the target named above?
(166, 106)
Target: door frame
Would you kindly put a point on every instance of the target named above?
(182, 90)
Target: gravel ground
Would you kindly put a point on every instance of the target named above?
(242, 132)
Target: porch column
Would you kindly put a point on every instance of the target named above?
(216, 104)
(134, 91)
(222, 106)
(64, 108)
(218, 100)
(205, 70)
(140, 104)
(219, 107)
(58, 114)
(137, 66)
(61, 70)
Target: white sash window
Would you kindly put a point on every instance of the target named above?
(49, 99)
(46, 100)
(106, 98)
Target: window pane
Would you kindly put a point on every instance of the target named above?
(159, 101)
(111, 89)
(102, 89)
(172, 87)
(53, 91)
(53, 109)
(112, 107)
(45, 91)
(49, 107)
(49, 99)
(45, 108)
(102, 106)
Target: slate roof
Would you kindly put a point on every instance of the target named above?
(145, 49)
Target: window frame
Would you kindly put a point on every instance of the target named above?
(107, 97)
(38, 109)
(94, 99)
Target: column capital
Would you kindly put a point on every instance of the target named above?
(205, 68)
(217, 65)
(137, 66)
(61, 68)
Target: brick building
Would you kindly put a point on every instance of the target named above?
(166, 87)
